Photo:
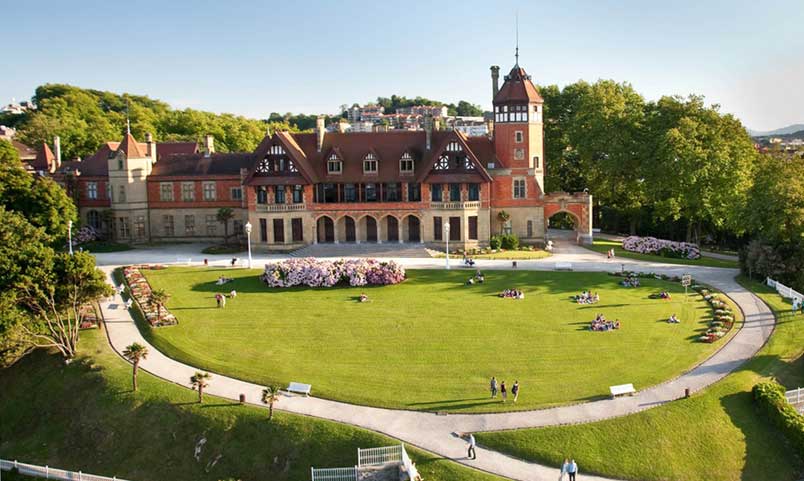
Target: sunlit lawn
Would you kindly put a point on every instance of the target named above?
(603, 246)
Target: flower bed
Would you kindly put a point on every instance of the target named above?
(140, 291)
(662, 247)
(722, 315)
(311, 272)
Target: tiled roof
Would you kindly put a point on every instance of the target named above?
(98, 163)
(198, 164)
(517, 88)
(44, 158)
(24, 151)
(131, 148)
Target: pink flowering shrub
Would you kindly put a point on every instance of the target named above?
(312, 272)
(662, 247)
(85, 234)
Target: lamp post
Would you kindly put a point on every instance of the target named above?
(446, 239)
(248, 236)
(70, 236)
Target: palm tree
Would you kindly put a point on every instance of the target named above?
(224, 215)
(199, 382)
(270, 395)
(504, 217)
(135, 353)
(160, 298)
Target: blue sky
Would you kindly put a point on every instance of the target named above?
(253, 58)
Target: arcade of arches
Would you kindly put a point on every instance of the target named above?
(368, 228)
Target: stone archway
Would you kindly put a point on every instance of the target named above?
(325, 228)
(368, 229)
(391, 229)
(577, 206)
(411, 228)
(346, 229)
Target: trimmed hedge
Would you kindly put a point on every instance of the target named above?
(769, 397)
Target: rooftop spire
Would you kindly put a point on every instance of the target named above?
(516, 55)
(128, 122)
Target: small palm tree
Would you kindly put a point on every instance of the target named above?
(160, 298)
(504, 217)
(135, 353)
(224, 215)
(199, 381)
(270, 395)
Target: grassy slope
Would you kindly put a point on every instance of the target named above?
(603, 246)
(393, 351)
(715, 435)
(84, 416)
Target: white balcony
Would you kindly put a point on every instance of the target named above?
(474, 204)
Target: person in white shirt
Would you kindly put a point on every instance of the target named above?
(471, 440)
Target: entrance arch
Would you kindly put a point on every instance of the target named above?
(392, 229)
(578, 206)
(368, 229)
(326, 230)
(346, 229)
(562, 225)
(411, 229)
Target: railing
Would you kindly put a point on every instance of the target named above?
(455, 205)
(51, 473)
(280, 207)
(378, 456)
(784, 291)
(334, 474)
(408, 464)
(795, 397)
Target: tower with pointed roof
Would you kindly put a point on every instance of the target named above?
(129, 167)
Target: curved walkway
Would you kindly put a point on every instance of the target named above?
(434, 433)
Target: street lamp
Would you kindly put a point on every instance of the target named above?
(248, 236)
(446, 239)
(70, 236)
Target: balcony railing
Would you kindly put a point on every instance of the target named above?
(280, 207)
(474, 204)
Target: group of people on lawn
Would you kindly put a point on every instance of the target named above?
(478, 278)
(503, 389)
(220, 299)
(586, 297)
(662, 295)
(512, 294)
(630, 281)
(601, 324)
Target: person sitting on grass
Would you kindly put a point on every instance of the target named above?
(233, 294)
(471, 281)
(363, 297)
(512, 294)
(480, 277)
(673, 319)
(468, 262)
(223, 280)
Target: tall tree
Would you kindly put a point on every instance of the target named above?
(135, 353)
(270, 395)
(224, 215)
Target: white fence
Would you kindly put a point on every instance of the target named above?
(796, 397)
(51, 473)
(379, 456)
(784, 291)
(334, 474)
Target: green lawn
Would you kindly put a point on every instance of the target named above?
(432, 343)
(504, 255)
(603, 246)
(85, 416)
(105, 246)
(715, 435)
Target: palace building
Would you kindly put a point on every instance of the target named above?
(333, 187)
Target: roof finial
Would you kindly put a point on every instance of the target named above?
(516, 55)
(128, 122)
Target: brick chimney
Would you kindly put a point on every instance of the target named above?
(319, 132)
(428, 131)
(342, 126)
(495, 80)
(209, 145)
(150, 146)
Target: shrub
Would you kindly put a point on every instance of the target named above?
(495, 242)
(770, 399)
(509, 241)
(662, 247)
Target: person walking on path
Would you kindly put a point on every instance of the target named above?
(572, 470)
(515, 390)
(493, 387)
(795, 306)
(471, 440)
(503, 391)
(564, 468)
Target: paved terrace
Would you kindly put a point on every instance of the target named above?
(432, 432)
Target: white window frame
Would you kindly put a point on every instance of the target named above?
(166, 191)
(92, 190)
(188, 191)
(334, 161)
(406, 159)
(210, 190)
(238, 196)
(370, 164)
(524, 193)
(519, 137)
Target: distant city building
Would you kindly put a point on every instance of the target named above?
(17, 108)
(423, 110)
(7, 133)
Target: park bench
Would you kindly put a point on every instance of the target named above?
(621, 390)
(300, 388)
(563, 266)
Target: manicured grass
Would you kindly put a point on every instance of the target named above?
(715, 435)
(85, 416)
(504, 255)
(105, 246)
(432, 343)
(222, 249)
(603, 246)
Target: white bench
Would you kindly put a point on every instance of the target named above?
(563, 266)
(300, 388)
(621, 390)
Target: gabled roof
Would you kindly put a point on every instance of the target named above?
(517, 88)
(44, 158)
(23, 150)
(131, 148)
(291, 148)
(98, 163)
(198, 163)
(436, 153)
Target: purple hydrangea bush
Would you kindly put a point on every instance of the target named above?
(312, 272)
(662, 247)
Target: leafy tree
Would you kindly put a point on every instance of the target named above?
(160, 298)
(503, 217)
(199, 381)
(135, 353)
(270, 395)
(224, 215)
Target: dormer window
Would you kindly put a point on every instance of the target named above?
(334, 165)
(370, 164)
(406, 164)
